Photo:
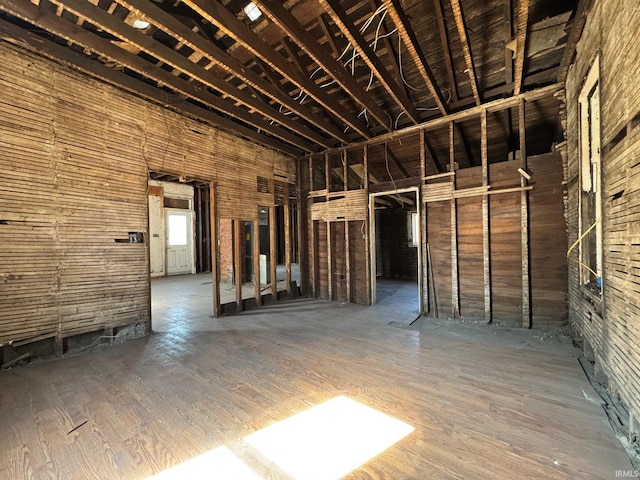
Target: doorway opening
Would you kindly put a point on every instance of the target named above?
(179, 250)
(395, 252)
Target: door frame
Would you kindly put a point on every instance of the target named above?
(372, 240)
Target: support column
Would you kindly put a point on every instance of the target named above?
(524, 220)
(486, 250)
(215, 263)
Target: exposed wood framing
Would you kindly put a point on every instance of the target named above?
(401, 22)
(455, 282)
(486, 241)
(336, 70)
(217, 14)
(579, 20)
(84, 64)
(272, 252)
(367, 252)
(524, 222)
(222, 59)
(215, 262)
(329, 263)
(145, 43)
(257, 287)
(474, 112)
(466, 49)
(521, 42)
(446, 49)
(424, 298)
(287, 240)
(339, 17)
(237, 262)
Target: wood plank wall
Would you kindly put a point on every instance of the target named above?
(74, 159)
(610, 325)
(547, 245)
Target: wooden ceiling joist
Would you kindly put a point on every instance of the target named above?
(446, 49)
(146, 43)
(340, 18)
(336, 70)
(410, 41)
(574, 35)
(217, 14)
(94, 43)
(521, 43)
(222, 59)
(37, 44)
(466, 49)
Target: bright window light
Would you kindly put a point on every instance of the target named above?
(252, 11)
(218, 463)
(329, 440)
(140, 24)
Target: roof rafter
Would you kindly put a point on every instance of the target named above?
(339, 17)
(205, 47)
(579, 20)
(336, 70)
(521, 42)
(84, 64)
(466, 49)
(401, 22)
(78, 35)
(116, 27)
(446, 48)
(216, 13)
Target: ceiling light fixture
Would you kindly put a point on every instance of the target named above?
(140, 24)
(252, 11)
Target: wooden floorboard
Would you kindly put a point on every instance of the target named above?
(484, 402)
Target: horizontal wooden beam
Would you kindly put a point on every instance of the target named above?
(471, 113)
(222, 59)
(214, 12)
(279, 15)
(54, 51)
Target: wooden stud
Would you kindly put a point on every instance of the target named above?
(287, 240)
(347, 253)
(273, 238)
(424, 297)
(486, 250)
(237, 262)
(367, 255)
(524, 222)
(329, 264)
(215, 261)
(255, 245)
(455, 282)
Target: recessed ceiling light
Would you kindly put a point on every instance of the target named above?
(140, 24)
(252, 11)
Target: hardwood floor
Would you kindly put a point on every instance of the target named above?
(483, 402)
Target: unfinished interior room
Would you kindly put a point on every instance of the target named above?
(319, 239)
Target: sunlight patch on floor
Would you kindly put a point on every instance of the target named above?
(218, 463)
(329, 440)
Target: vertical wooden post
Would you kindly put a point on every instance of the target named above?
(424, 286)
(347, 253)
(312, 235)
(486, 251)
(215, 263)
(329, 264)
(272, 252)
(365, 183)
(257, 287)
(327, 172)
(237, 262)
(287, 240)
(524, 221)
(455, 284)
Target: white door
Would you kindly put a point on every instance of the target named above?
(179, 236)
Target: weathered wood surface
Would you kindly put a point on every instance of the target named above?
(74, 162)
(610, 324)
(190, 392)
